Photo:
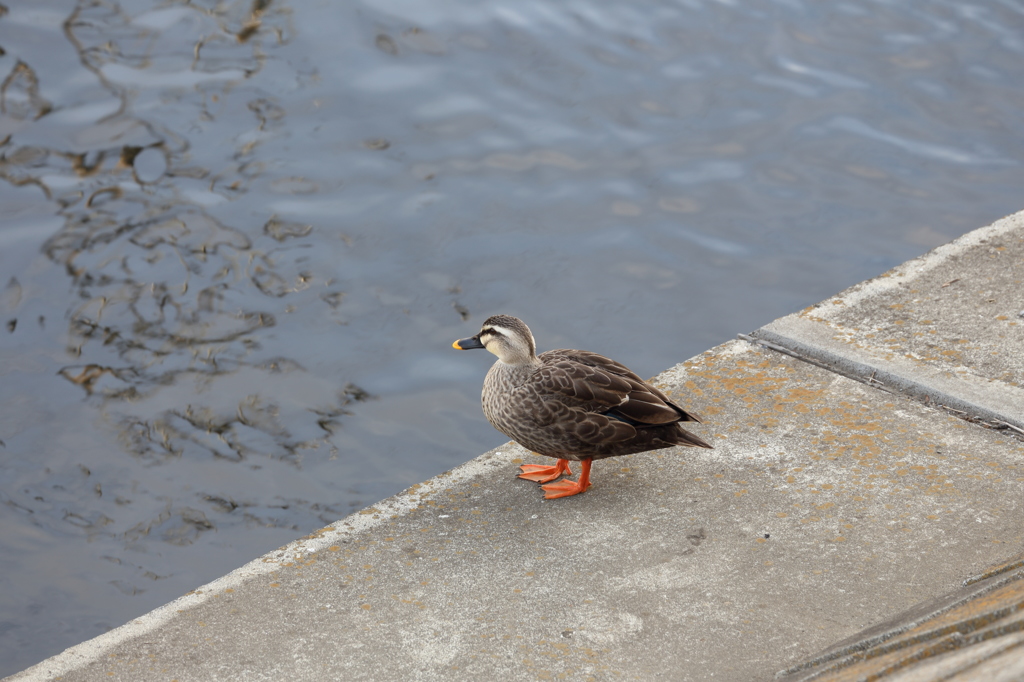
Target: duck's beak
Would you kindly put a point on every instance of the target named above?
(468, 344)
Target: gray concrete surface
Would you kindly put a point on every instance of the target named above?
(948, 326)
(827, 506)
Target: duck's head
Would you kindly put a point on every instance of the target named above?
(507, 337)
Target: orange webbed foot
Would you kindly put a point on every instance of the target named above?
(567, 488)
(542, 474)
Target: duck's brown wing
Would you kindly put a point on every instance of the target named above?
(574, 398)
(599, 384)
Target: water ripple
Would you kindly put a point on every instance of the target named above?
(932, 151)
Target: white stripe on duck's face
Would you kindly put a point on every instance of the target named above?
(511, 346)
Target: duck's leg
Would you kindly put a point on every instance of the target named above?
(566, 487)
(542, 473)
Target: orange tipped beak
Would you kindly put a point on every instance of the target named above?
(467, 344)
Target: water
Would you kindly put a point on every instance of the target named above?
(238, 239)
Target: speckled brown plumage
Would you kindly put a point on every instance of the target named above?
(571, 404)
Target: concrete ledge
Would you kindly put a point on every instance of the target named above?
(947, 327)
(973, 634)
(965, 392)
(95, 649)
(825, 507)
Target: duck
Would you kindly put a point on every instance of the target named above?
(571, 405)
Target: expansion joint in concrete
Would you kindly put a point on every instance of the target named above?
(884, 381)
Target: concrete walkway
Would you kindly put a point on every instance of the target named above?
(828, 505)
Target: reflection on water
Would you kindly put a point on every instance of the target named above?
(239, 237)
